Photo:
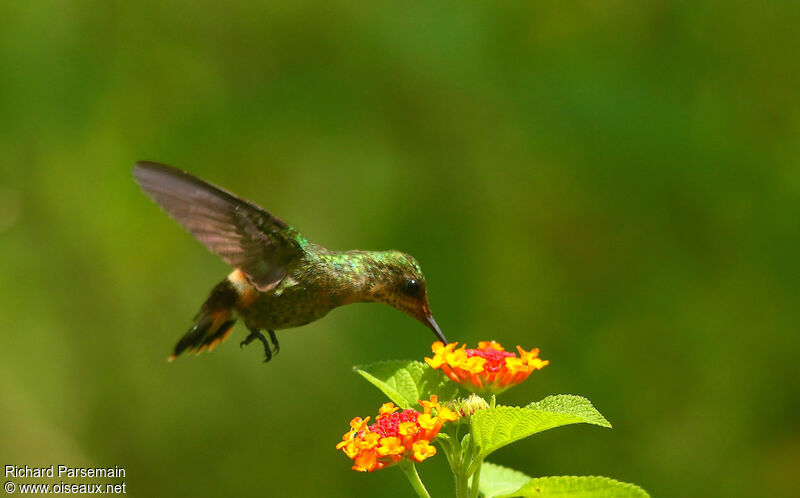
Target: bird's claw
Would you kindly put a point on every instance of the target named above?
(253, 335)
(268, 352)
(274, 341)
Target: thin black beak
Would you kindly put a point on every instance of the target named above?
(431, 323)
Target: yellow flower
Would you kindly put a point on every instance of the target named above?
(435, 362)
(447, 414)
(422, 450)
(386, 409)
(350, 449)
(390, 446)
(474, 364)
(427, 421)
(366, 461)
(433, 404)
(369, 441)
(357, 424)
(395, 435)
(487, 369)
(490, 344)
(408, 428)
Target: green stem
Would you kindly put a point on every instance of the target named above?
(411, 472)
(476, 481)
(448, 452)
(462, 485)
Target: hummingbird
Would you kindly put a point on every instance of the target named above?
(280, 279)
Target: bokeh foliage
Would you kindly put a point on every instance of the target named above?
(616, 183)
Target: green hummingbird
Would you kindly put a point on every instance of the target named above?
(280, 279)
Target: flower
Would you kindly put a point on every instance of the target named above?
(395, 434)
(488, 369)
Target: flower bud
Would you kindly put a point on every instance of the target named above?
(468, 406)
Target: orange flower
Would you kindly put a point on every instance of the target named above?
(422, 450)
(395, 435)
(488, 369)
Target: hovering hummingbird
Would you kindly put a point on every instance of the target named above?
(280, 279)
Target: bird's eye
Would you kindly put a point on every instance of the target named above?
(412, 286)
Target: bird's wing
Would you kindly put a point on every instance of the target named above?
(244, 235)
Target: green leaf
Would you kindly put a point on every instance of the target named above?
(575, 487)
(407, 381)
(575, 405)
(497, 480)
(465, 442)
(496, 427)
(501, 482)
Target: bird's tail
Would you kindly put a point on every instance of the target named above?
(213, 324)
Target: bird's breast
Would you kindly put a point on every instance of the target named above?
(287, 307)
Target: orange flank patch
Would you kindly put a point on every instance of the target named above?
(247, 293)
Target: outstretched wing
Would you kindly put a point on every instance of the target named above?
(244, 235)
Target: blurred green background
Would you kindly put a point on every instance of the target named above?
(616, 183)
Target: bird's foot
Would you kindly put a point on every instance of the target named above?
(274, 342)
(256, 334)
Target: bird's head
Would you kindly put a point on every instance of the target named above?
(401, 285)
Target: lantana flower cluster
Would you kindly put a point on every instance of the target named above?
(487, 369)
(396, 434)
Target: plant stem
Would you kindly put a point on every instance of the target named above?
(476, 481)
(462, 485)
(411, 472)
(447, 447)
